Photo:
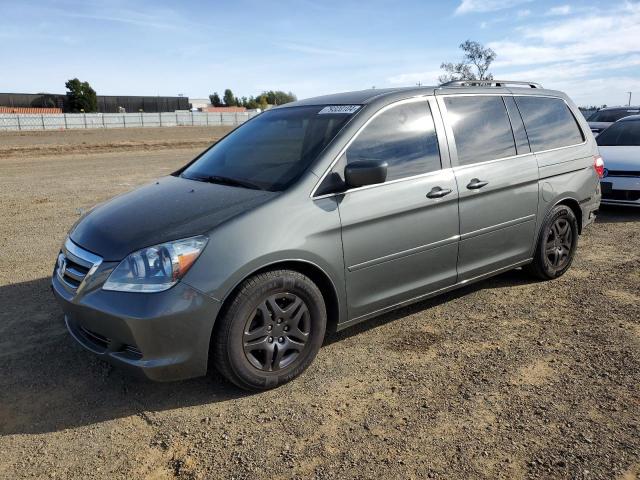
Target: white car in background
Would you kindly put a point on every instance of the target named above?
(619, 147)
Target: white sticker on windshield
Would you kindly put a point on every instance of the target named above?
(343, 109)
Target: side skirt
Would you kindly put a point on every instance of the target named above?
(362, 318)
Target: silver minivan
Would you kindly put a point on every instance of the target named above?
(322, 213)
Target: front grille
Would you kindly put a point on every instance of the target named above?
(74, 273)
(75, 264)
(623, 173)
(624, 195)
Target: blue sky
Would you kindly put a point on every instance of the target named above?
(591, 50)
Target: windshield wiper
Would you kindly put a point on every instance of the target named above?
(222, 180)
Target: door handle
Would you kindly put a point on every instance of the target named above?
(437, 192)
(476, 183)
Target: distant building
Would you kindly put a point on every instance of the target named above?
(106, 103)
(223, 109)
(199, 103)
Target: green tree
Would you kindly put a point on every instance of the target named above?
(229, 99)
(215, 100)
(252, 103)
(475, 63)
(278, 97)
(262, 102)
(81, 97)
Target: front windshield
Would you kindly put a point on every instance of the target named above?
(626, 133)
(612, 115)
(273, 150)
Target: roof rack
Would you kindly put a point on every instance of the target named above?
(488, 83)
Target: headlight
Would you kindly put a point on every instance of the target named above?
(156, 268)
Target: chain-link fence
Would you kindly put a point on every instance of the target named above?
(19, 122)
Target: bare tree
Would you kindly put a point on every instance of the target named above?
(474, 65)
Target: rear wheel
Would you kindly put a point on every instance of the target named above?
(271, 331)
(556, 245)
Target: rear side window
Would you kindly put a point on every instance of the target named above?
(519, 134)
(481, 128)
(549, 123)
(404, 136)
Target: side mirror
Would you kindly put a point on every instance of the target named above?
(365, 172)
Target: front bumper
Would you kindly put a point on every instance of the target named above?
(621, 191)
(163, 336)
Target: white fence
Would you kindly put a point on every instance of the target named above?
(64, 121)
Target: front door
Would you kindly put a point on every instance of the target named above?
(400, 238)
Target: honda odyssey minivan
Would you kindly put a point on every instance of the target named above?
(323, 213)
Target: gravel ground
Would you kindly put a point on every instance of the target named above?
(508, 378)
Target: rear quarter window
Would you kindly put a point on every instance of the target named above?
(549, 123)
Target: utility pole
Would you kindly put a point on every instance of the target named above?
(629, 98)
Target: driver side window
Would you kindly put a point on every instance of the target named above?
(404, 136)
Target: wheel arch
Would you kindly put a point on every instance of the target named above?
(574, 205)
(314, 272)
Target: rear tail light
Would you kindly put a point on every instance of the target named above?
(598, 165)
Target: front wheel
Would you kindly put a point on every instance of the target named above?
(556, 245)
(271, 331)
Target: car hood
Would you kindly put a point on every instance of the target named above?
(621, 158)
(169, 209)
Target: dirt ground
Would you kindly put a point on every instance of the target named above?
(509, 378)
(100, 140)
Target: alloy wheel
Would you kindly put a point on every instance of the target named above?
(559, 243)
(277, 332)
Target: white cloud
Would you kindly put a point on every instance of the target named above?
(593, 55)
(598, 91)
(159, 20)
(578, 38)
(559, 11)
(476, 6)
(566, 71)
(314, 50)
(523, 13)
(429, 77)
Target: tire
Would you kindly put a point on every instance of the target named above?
(557, 244)
(271, 331)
